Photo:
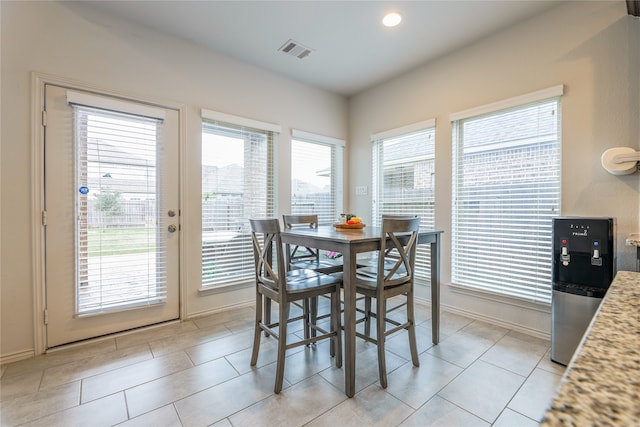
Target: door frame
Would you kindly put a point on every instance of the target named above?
(38, 82)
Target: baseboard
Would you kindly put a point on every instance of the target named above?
(17, 356)
(222, 309)
(500, 322)
(490, 319)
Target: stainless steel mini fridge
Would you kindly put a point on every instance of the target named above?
(583, 268)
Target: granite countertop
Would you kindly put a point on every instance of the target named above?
(601, 386)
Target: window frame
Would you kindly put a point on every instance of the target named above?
(136, 128)
(231, 125)
(535, 263)
(410, 134)
(337, 175)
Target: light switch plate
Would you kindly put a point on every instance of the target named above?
(361, 190)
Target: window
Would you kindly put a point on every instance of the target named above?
(119, 249)
(316, 177)
(506, 190)
(403, 179)
(237, 184)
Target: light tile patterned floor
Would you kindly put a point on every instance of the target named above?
(197, 373)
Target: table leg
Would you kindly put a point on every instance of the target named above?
(349, 277)
(435, 291)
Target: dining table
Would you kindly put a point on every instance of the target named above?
(351, 242)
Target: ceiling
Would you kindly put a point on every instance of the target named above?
(350, 49)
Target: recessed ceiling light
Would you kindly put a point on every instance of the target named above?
(391, 19)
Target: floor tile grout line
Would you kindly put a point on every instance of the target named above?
(478, 358)
(463, 408)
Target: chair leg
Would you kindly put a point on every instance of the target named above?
(336, 342)
(306, 319)
(332, 323)
(267, 313)
(257, 330)
(412, 329)
(313, 314)
(367, 316)
(282, 345)
(381, 314)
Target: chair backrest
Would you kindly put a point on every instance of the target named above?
(400, 216)
(292, 221)
(398, 244)
(267, 243)
(296, 253)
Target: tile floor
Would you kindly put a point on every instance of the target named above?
(197, 373)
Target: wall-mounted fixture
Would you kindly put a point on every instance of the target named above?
(620, 160)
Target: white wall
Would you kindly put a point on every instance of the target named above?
(590, 47)
(69, 41)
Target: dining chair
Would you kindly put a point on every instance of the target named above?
(274, 282)
(302, 257)
(305, 257)
(372, 260)
(398, 243)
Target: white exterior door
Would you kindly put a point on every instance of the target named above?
(111, 215)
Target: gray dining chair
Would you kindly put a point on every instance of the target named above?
(305, 257)
(398, 243)
(372, 260)
(274, 282)
(302, 257)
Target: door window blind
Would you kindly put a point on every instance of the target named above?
(506, 190)
(316, 179)
(237, 184)
(403, 180)
(120, 254)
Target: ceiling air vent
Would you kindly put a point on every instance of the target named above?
(293, 48)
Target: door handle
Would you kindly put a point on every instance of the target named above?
(172, 228)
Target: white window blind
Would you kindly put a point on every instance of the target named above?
(316, 178)
(120, 255)
(506, 190)
(403, 180)
(237, 184)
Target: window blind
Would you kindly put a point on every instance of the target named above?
(237, 184)
(403, 181)
(316, 179)
(506, 190)
(120, 255)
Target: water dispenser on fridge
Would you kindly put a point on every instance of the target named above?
(583, 268)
